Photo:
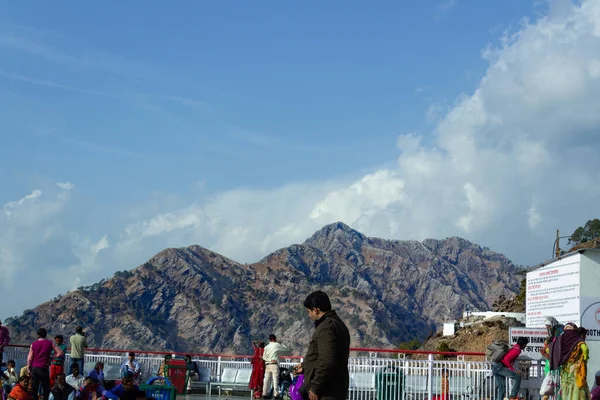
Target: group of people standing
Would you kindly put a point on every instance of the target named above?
(324, 373)
(566, 357)
(565, 369)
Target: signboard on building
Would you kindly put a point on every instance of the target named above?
(590, 317)
(554, 291)
(536, 338)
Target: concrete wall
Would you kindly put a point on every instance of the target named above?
(590, 303)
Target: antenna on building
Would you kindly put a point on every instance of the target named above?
(557, 254)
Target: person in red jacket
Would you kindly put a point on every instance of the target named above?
(19, 392)
(505, 369)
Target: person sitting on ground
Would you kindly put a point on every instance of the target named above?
(61, 390)
(127, 385)
(9, 377)
(297, 382)
(75, 379)
(98, 372)
(19, 392)
(505, 369)
(163, 365)
(131, 365)
(92, 390)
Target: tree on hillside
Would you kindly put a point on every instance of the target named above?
(590, 231)
(410, 345)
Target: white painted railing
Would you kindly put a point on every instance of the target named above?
(373, 377)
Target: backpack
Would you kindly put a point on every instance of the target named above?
(497, 350)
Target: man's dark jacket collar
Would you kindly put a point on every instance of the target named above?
(328, 314)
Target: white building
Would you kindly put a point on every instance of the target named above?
(568, 289)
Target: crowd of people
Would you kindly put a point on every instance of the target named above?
(44, 377)
(322, 376)
(565, 369)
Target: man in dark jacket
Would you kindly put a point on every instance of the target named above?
(326, 362)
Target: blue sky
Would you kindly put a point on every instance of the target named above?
(244, 127)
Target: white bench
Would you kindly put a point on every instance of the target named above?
(233, 379)
(361, 384)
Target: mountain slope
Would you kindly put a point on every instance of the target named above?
(192, 299)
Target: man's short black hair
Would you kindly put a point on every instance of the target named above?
(272, 337)
(78, 329)
(131, 354)
(11, 362)
(522, 341)
(318, 300)
(75, 366)
(42, 332)
(59, 337)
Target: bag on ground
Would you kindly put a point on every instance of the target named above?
(497, 350)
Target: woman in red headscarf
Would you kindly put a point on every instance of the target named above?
(258, 369)
(570, 355)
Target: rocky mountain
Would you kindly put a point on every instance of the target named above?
(192, 299)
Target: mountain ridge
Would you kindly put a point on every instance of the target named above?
(194, 299)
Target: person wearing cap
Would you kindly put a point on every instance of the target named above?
(78, 344)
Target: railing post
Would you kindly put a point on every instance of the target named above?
(430, 377)
(219, 367)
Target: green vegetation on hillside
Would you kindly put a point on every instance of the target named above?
(583, 234)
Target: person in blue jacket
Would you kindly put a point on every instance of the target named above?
(127, 385)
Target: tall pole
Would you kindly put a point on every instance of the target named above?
(557, 243)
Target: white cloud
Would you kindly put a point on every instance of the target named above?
(10, 207)
(65, 185)
(505, 166)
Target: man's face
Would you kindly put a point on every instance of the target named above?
(313, 313)
(58, 341)
(11, 366)
(128, 385)
(61, 380)
(75, 371)
(131, 358)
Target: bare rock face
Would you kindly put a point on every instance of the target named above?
(194, 300)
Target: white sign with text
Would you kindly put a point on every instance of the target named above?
(553, 292)
(536, 338)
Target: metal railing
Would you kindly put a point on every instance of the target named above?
(379, 374)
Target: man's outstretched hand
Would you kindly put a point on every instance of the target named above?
(312, 396)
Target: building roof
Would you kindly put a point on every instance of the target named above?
(566, 255)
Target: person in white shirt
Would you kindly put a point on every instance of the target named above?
(271, 356)
(75, 379)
